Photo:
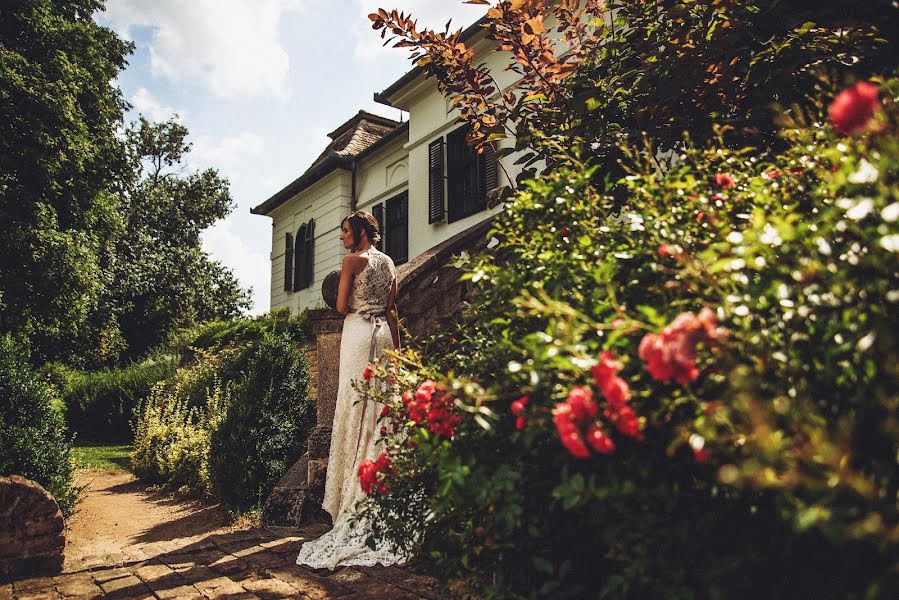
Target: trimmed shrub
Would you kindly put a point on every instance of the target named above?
(265, 424)
(33, 440)
(101, 405)
(231, 421)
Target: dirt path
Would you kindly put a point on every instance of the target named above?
(126, 542)
(118, 520)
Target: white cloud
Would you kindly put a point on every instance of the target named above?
(151, 108)
(430, 14)
(230, 46)
(225, 151)
(251, 268)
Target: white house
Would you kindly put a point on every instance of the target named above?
(419, 178)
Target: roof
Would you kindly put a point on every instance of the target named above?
(384, 96)
(353, 139)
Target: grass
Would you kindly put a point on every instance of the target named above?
(105, 456)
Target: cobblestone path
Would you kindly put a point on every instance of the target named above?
(251, 563)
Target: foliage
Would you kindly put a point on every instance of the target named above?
(218, 333)
(172, 439)
(100, 405)
(102, 255)
(162, 280)
(33, 441)
(59, 158)
(678, 376)
(783, 440)
(235, 415)
(588, 74)
(265, 427)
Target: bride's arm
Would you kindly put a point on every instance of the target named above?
(347, 272)
(392, 320)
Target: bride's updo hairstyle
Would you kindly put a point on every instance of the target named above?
(361, 221)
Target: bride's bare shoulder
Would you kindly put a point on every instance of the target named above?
(355, 262)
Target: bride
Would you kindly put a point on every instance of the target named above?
(366, 296)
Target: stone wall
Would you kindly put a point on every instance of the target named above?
(31, 530)
(429, 293)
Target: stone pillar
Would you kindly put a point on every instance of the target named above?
(31, 530)
(327, 326)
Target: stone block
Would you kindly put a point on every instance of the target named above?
(81, 586)
(450, 302)
(284, 506)
(271, 588)
(325, 320)
(315, 489)
(328, 345)
(125, 587)
(309, 585)
(319, 444)
(31, 530)
(183, 591)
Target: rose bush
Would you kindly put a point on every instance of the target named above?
(692, 397)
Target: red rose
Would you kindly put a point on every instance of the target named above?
(852, 109)
(382, 462)
(671, 353)
(383, 431)
(565, 231)
(385, 411)
(625, 420)
(568, 431)
(521, 422)
(605, 368)
(599, 441)
(574, 443)
(519, 405)
(426, 390)
(664, 250)
(367, 372)
(580, 400)
(407, 397)
(701, 455)
(616, 392)
(724, 181)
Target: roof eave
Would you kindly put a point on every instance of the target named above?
(301, 183)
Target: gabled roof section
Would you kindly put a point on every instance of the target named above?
(348, 141)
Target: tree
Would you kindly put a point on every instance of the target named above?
(59, 156)
(161, 278)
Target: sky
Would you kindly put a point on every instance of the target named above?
(259, 84)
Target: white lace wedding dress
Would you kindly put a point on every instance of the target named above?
(354, 434)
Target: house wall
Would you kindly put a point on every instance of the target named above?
(382, 175)
(328, 202)
(431, 117)
(400, 165)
